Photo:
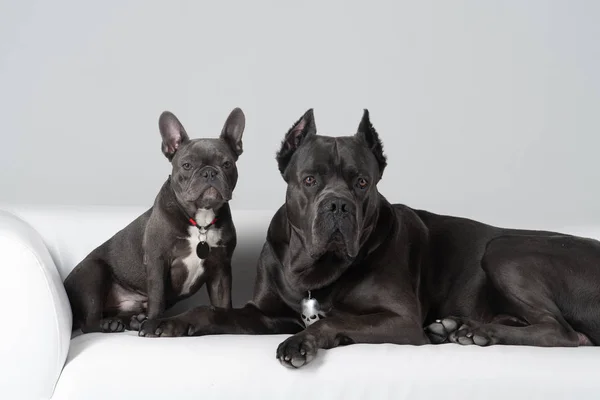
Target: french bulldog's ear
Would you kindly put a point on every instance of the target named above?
(302, 129)
(172, 132)
(369, 135)
(233, 130)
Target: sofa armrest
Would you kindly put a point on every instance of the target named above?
(36, 316)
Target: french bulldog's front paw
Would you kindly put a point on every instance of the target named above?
(468, 336)
(164, 328)
(297, 350)
(440, 329)
(112, 325)
(136, 321)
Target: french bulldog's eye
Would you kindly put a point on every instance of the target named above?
(186, 166)
(227, 164)
(362, 183)
(310, 181)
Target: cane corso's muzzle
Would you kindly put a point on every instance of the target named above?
(335, 227)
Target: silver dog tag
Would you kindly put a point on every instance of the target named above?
(311, 311)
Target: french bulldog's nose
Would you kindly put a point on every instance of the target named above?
(339, 206)
(209, 173)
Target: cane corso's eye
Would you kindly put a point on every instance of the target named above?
(362, 183)
(187, 166)
(310, 181)
(227, 164)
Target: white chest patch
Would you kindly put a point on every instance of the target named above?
(193, 264)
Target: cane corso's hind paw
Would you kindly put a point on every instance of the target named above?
(136, 321)
(165, 328)
(467, 336)
(439, 331)
(297, 350)
(110, 325)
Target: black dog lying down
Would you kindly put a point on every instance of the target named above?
(341, 265)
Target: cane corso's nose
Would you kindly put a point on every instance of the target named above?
(339, 206)
(209, 173)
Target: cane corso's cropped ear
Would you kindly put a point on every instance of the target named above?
(172, 132)
(371, 138)
(302, 129)
(233, 130)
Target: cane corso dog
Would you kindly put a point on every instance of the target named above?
(186, 239)
(342, 265)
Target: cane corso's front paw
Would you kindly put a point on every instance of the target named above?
(297, 350)
(164, 328)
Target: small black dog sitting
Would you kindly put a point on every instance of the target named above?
(186, 239)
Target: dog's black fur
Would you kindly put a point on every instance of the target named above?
(382, 272)
(152, 263)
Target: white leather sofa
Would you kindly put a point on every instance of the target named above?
(39, 359)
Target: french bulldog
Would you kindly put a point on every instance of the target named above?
(184, 240)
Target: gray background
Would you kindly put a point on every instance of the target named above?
(487, 109)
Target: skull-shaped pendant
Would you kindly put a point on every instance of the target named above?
(311, 311)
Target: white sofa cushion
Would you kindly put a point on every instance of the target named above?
(124, 366)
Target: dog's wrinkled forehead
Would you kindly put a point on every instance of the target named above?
(303, 148)
(205, 151)
(327, 155)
